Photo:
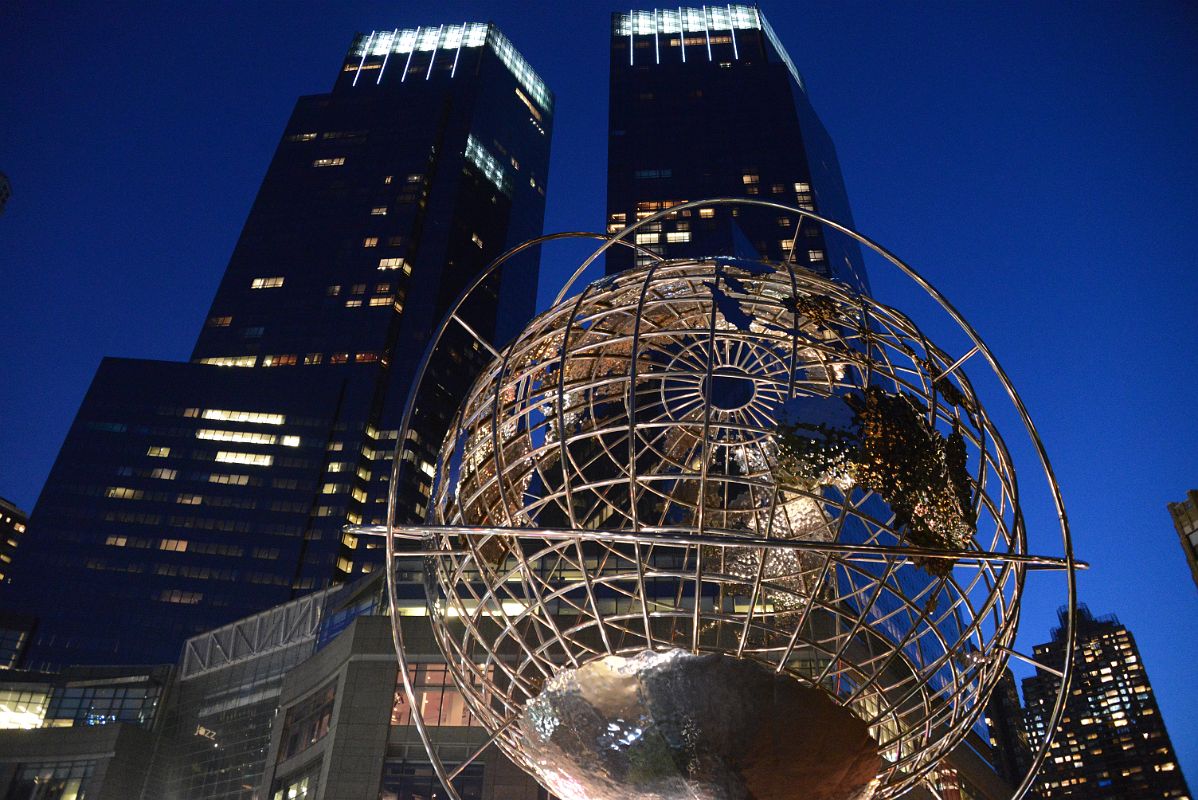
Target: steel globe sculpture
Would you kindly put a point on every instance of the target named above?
(723, 528)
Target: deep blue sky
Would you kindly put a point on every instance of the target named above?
(1036, 161)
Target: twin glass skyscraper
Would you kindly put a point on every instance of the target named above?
(188, 495)
(705, 102)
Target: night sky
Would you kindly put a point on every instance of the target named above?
(1037, 162)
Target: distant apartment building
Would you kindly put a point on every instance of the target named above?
(1111, 743)
(1185, 520)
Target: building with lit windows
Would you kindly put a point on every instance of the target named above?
(85, 732)
(188, 495)
(12, 529)
(1112, 743)
(1185, 521)
(706, 102)
(1011, 755)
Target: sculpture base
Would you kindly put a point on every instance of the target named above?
(667, 726)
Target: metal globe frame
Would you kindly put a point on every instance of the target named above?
(1005, 563)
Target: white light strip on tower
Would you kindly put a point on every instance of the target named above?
(682, 32)
(365, 52)
(433, 57)
(458, 54)
(707, 32)
(631, 33)
(732, 31)
(656, 43)
(408, 63)
(387, 55)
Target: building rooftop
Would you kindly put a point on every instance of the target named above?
(405, 41)
(704, 20)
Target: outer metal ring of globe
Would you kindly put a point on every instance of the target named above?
(736, 463)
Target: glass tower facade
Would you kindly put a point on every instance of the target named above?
(705, 102)
(191, 494)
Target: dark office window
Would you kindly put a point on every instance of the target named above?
(307, 722)
(413, 781)
(58, 780)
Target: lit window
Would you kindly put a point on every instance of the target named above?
(252, 459)
(267, 283)
(159, 452)
(674, 237)
(370, 241)
(179, 596)
(366, 357)
(387, 179)
(230, 361)
(477, 241)
(291, 441)
(286, 360)
(219, 322)
(531, 108)
(706, 213)
(391, 263)
(802, 187)
(235, 436)
(328, 162)
(379, 211)
(116, 541)
(173, 545)
(647, 238)
(123, 493)
(313, 358)
(786, 244)
(749, 179)
(815, 255)
(338, 358)
(381, 288)
(353, 303)
(333, 290)
(257, 417)
(301, 137)
(380, 301)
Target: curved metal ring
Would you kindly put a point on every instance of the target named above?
(1068, 561)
